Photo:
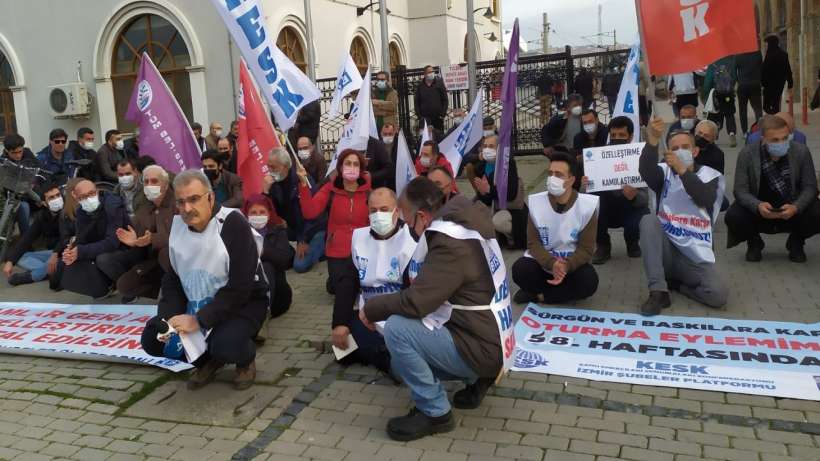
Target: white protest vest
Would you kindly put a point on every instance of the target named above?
(559, 232)
(381, 263)
(500, 304)
(689, 227)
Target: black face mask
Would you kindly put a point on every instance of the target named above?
(615, 142)
(412, 228)
(702, 142)
(212, 174)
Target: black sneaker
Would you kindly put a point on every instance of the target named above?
(633, 249)
(20, 278)
(129, 299)
(754, 249)
(603, 253)
(793, 244)
(524, 297)
(471, 396)
(203, 375)
(417, 425)
(657, 300)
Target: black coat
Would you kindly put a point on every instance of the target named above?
(776, 70)
(431, 100)
(45, 227)
(379, 164)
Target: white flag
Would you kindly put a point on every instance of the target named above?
(360, 124)
(466, 136)
(405, 170)
(627, 104)
(286, 88)
(348, 79)
(425, 134)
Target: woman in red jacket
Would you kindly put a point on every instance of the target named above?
(429, 157)
(347, 199)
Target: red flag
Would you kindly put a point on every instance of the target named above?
(683, 35)
(256, 136)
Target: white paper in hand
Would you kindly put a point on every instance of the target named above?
(351, 346)
(194, 344)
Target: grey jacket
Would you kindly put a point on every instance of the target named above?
(747, 176)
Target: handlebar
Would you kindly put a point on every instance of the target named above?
(80, 162)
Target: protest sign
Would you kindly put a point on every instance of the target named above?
(778, 359)
(88, 332)
(455, 77)
(611, 167)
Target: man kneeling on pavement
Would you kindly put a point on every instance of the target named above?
(462, 282)
(216, 284)
(677, 243)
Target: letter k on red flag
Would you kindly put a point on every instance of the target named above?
(256, 136)
(684, 35)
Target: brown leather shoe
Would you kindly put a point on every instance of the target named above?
(245, 377)
(204, 375)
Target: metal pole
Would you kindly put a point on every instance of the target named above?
(545, 36)
(385, 40)
(311, 57)
(471, 51)
(804, 77)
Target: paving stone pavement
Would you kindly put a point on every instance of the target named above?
(307, 407)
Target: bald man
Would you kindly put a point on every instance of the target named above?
(381, 254)
(710, 154)
(796, 135)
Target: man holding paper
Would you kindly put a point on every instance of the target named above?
(216, 294)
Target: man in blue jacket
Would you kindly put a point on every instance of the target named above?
(98, 217)
(55, 157)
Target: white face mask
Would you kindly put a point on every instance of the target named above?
(576, 111)
(303, 154)
(488, 154)
(218, 133)
(55, 205)
(381, 222)
(555, 186)
(89, 145)
(277, 177)
(90, 204)
(126, 181)
(457, 120)
(685, 156)
(258, 221)
(488, 133)
(687, 123)
(120, 145)
(381, 85)
(426, 162)
(590, 127)
(152, 192)
(388, 139)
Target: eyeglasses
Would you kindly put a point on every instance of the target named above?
(80, 198)
(192, 200)
(58, 141)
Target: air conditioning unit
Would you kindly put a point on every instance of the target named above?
(69, 100)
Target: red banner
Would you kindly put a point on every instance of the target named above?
(684, 35)
(256, 136)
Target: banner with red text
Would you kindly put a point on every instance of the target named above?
(778, 359)
(109, 333)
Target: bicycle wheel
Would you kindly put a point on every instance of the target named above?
(8, 203)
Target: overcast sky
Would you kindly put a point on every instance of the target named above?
(571, 20)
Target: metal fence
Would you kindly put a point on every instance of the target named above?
(532, 111)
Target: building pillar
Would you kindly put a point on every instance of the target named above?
(106, 109)
(199, 97)
(18, 94)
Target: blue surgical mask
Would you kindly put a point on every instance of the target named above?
(685, 156)
(777, 149)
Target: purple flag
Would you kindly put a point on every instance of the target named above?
(502, 160)
(165, 134)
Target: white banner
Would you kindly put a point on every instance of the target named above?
(286, 88)
(108, 333)
(750, 357)
(347, 80)
(455, 77)
(405, 170)
(466, 136)
(360, 125)
(627, 104)
(611, 167)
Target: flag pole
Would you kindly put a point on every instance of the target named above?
(292, 153)
(650, 86)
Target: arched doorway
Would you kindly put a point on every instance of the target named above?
(395, 56)
(159, 38)
(291, 45)
(358, 50)
(8, 121)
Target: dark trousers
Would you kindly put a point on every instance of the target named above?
(645, 108)
(371, 350)
(84, 277)
(725, 104)
(748, 94)
(579, 284)
(745, 224)
(229, 342)
(519, 229)
(117, 263)
(616, 211)
(281, 294)
(141, 280)
(344, 280)
(771, 98)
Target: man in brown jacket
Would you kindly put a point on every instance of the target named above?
(152, 226)
(385, 102)
(467, 347)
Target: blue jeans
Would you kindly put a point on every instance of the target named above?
(421, 358)
(315, 251)
(23, 217)
(36, 262)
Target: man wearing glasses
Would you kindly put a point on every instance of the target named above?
(54, 157)
(216, 286)
(99, 216)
